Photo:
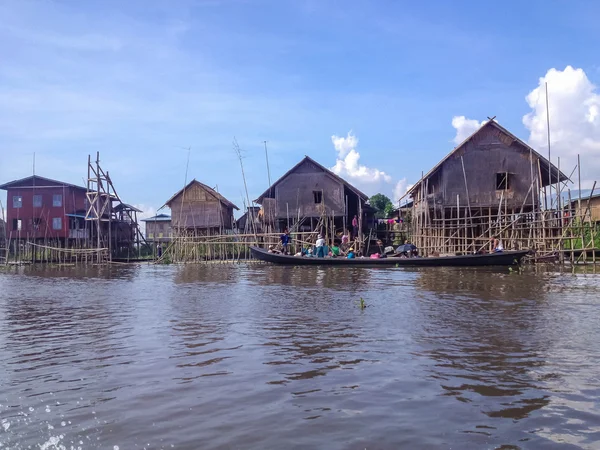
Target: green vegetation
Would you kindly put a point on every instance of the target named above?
(573, 239)
(383, 205)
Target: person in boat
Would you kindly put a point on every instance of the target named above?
(320, 245)
(407, 250)
(335, 250)
(272, 249)
(381, 249)
(350, 254)
(285, 240)
(345, 241)
(496, 245)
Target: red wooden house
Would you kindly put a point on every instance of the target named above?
(41, 208)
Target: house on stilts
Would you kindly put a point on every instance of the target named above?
(309, 198)
(199, 210)
(492, 184)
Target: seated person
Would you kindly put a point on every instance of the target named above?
(351, 254)
(335, 250)
(496, 245)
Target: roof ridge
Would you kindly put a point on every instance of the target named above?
(322, 167)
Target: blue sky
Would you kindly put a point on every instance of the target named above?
(140, 81)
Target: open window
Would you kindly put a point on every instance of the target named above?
(503, 181)
(318, 196)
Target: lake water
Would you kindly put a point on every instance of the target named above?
(265, 357)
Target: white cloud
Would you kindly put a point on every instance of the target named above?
(147, 211)
(464, 128)
(368, 179)
(347, 164)
(400, 189)
(574, 121)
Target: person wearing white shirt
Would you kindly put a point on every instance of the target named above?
(320, 244)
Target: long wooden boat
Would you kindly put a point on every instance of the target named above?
(507, 258)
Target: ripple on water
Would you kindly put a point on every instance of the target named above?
(265, 357)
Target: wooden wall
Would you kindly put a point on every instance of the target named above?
(297, 189)
(198, 208)
(486, 154)
(594, 208)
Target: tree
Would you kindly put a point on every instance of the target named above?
(383, 205)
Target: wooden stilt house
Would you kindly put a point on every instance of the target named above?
(310, 196)
(197, 210)
(492, 184)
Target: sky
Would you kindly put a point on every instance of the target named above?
(377, 91)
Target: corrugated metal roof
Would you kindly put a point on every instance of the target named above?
(37, 178)
(158, 218)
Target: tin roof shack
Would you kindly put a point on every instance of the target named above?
(158, 228)
(308, 194)
(199, 210)
(587, 209)
(41, 208)
(489, 185)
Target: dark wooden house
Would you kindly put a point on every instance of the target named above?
(307, 193)
(42, 208)
(198, 209)
(250, 222)
(490, 184)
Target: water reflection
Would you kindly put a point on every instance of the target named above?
(482, 334)
(216, 273)
(311, 277)
(303, 349)
(221, 356)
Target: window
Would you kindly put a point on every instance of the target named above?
(17, 201)
(318, 196)
(57, 200)
(57, 223)
(17, 224)
(36, 223)
(37, 201)
(502, 181)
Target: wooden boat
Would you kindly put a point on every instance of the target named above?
(507, 258)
